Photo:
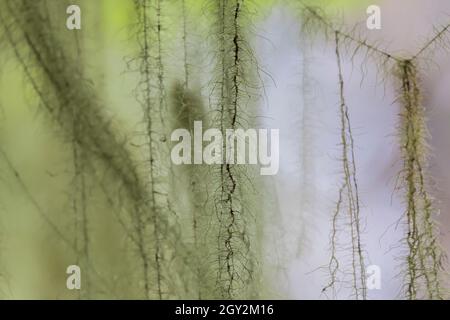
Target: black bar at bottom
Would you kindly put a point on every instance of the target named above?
(217, 309)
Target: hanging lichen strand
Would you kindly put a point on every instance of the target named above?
(144, 89)
(423, 262)
(79, 187)
(187, 107)
(231, 91)
(349, 200)
(184, 14)
(150, 94)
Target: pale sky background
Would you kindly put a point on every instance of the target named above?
(405, 27)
